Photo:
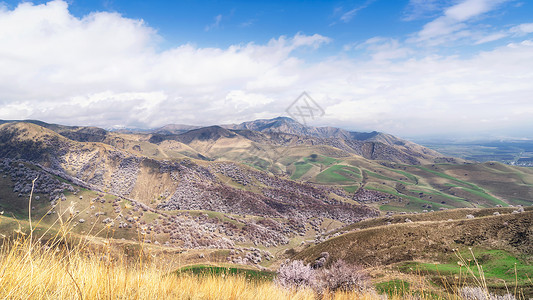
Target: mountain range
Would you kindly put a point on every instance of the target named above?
(265, 190)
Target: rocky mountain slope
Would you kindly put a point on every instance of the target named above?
(257, 207)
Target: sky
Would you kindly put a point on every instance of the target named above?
(412, 68)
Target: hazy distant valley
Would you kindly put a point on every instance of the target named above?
(511, 152)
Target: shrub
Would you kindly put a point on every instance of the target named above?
(342, 276)
(477, 293)
(295, 274)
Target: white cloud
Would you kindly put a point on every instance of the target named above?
(103, 70)
(246, 103)
(419, 9)
(315, 40)
(383, 49)
(440, 94)
(491, 38)
(215, 24)
(522, 29)
(470, 8)
(454, 23)
(347, 16)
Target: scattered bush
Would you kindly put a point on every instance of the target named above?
(478, 293)
(294, 275)
(342, 276)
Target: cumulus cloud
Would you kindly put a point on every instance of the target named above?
(51, 59)
(105, 70)
(441, 94)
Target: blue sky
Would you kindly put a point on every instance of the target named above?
(225, 23)
(413, 68)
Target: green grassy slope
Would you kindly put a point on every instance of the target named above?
(418, 188)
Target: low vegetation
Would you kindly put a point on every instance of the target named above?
(212, 270)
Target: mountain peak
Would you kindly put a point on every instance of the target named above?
(286, 119)
(214, 132)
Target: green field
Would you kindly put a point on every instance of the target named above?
(202, 269)
(300, 169)
(500, 268)
(350, 188)
(320, 159)
(395, 287)
(438, 185)
(339, 174)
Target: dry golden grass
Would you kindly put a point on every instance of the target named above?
(30, 271)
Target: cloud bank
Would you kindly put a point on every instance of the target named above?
(106, 70)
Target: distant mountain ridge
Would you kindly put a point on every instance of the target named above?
(284, 131)
(280, 131)
(288, 125)
(278, 124)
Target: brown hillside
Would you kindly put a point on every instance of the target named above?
(427, 240)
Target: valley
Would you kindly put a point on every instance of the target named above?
(511, 152)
